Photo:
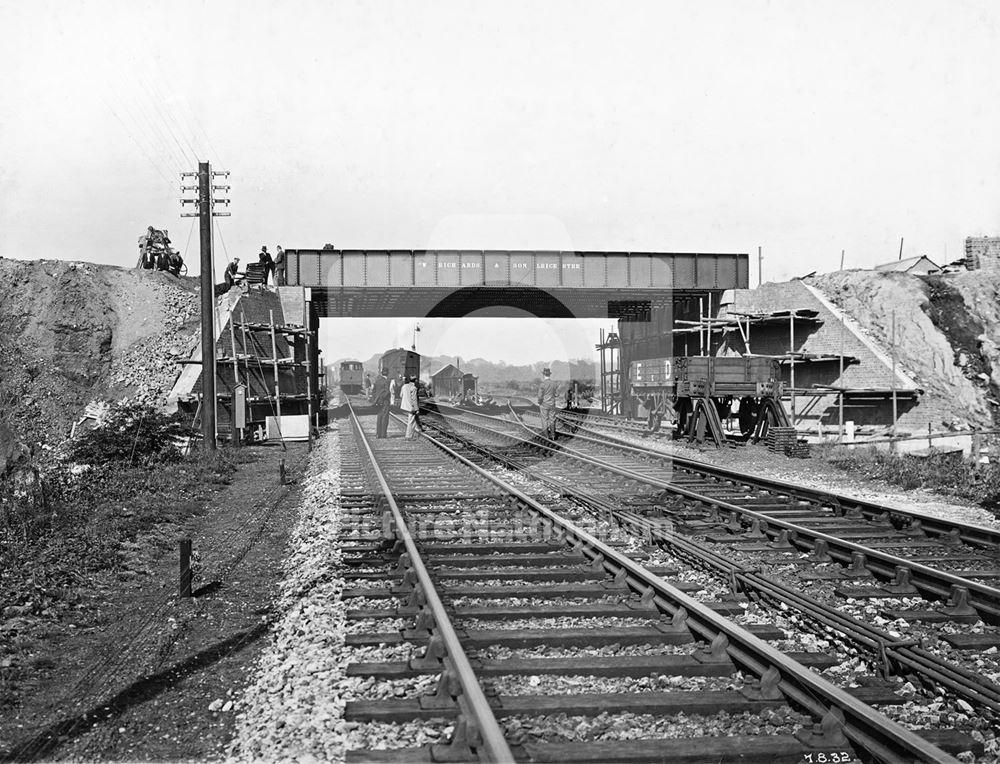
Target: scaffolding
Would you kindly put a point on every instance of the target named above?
(261, 368)
(611, 377)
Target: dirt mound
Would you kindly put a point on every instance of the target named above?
(73, 332)
(946, 334)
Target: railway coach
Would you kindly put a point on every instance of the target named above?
(698, 391)
(351, 377)
(399, 363)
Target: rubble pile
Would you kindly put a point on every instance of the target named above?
(79, 332)
(147, 369)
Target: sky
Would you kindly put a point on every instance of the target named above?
(803, 128)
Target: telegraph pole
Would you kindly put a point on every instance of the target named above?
(205, 204)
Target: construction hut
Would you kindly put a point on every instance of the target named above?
(447, 382)
(825, 360)
(920, 266)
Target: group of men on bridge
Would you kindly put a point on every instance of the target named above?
(269, 269)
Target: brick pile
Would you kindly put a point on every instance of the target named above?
(783, 440)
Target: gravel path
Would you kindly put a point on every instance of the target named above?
(292, 708)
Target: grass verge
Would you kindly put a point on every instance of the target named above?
(946, 473)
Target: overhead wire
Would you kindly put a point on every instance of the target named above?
(182, 98)
(146, 106)
(140, 136)
(171, 116)
(149, 156)
(169, 121)
(187, 246)
(158, 126)
(150, 131)
(151, 146)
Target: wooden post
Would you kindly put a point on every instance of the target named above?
(281, 472)
(841, 259)
(791, 351)
(309, 370)
(185, 568)
(892, 444)
(760, 265)
(701, 333)
(236, 437)
(604, 379)
(843, 386)
(207, 306)
(274, 361)
(708, 327)
(246, 346)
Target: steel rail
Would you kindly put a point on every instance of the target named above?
(493, 738)
(887, 647)
(904, 651)
(938, 583)
(875, 733)
(973, 534)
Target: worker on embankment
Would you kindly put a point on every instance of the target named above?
(231, 273)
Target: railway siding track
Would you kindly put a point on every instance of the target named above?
(743, 510)
(455, 543)
(895, 654)
(701, 473)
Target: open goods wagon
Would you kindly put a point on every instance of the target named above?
(698, 391)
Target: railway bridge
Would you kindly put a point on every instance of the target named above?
(547, 284)
(649, 290)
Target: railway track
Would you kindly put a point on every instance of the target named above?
(525, 607)
(909, 552)
(835, 589)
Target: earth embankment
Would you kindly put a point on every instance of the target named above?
(74, 332)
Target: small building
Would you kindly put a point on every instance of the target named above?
(447, 382)
(918, 266)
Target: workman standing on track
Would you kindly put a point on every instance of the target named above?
(411, 406)
(393, 389)
(380, 400)
(547, 404)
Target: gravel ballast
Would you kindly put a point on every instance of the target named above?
(293, 705)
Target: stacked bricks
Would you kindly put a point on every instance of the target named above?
(783, 440)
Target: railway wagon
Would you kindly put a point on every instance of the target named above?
(400, 363)
(351, 377)
(699, 390)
